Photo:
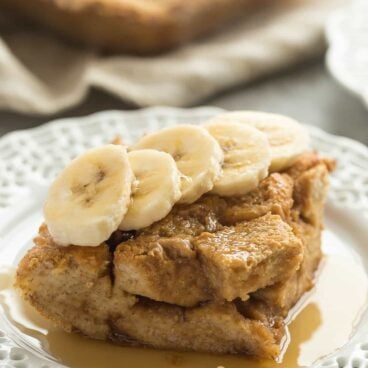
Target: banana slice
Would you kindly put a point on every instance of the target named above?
(247, 157)
(287, 137)
(87, 201)
(156, 188)
(197, 154)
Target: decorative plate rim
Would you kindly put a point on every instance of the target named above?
(345, 69)
(205, 110)
(353, 157)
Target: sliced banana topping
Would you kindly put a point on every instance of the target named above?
(105, 188)
(287, 137)
(87, 201)
(156, 188)
(247, 156)
(197, 154)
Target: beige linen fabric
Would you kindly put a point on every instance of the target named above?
(40, 74)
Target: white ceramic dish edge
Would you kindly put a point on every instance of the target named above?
(347, 55)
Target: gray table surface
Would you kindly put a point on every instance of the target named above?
(307, 93)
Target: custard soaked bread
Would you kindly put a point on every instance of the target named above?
(139, 26)
(224, 265)
(218, 275)
(200, 238)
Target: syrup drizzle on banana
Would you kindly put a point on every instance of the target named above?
(107, 188)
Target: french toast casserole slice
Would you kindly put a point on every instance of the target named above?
(219, 275)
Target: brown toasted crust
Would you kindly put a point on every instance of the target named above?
(42, 277)
(241, 259)
(223, 265)
(273, 195)
(163, 269)
(310, 175)
(141, 27)
(220, 328)
(84, 289)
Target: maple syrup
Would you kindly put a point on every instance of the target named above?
(321, 322)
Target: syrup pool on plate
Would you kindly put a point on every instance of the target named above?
(321, 324)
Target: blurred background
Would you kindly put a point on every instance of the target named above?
(303, 58)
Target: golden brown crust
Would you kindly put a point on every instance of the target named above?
(219, 328)
(219, 265)
(42, 276)
(241, 259)
(163, 269)
(310, 175)
(136, 26)
(273, 195)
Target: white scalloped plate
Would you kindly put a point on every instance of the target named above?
(347, 56)
(30, 159)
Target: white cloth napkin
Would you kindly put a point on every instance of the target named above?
(40, 74)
